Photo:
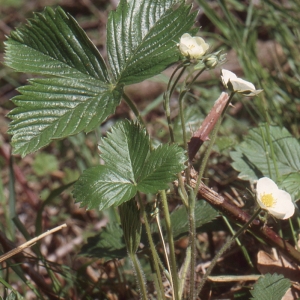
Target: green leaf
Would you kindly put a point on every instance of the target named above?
(290, 183)
(130, 167)
(54, 44)
(142, 37)
(54, 108)
(76, 99)
(101, 187)
(160, 167)
(125, 149)
(270, 287)
(108, 244)
(253, 154)
(204, 213)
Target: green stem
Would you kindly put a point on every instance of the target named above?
(171, 89)
(171, 244)
(293, 234)
(184, 271)
(181, 110)
(139, 276)
(183, 92)
(167, 97)
(152, 246)
(192, 241)
(242, 247)
(164, 247)
(194, 79)
(133, 107)
(223, 249)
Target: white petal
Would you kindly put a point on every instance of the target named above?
(290, 211)
(240, 85)
(276, 214)
(283, 207)
(185, 35)
(201, 42)
(193, 47)
(227, 76)
(284, 204)
(266, 185)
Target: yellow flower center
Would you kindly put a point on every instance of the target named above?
(268, 200)
(191, 46)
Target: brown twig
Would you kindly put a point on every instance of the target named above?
(201, 135)
(29, 243)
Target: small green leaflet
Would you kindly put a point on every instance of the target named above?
(129, 167)
(253, 158)
(270, 287)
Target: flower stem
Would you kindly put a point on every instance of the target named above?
(152, 247)
(224, 248)
(139, 276)
(242, 247)
(192, 241)
(171, 244)
(133, 107)
(167, 97)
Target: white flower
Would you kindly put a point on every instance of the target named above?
(235, 84)
(277, 202)
(193, 47)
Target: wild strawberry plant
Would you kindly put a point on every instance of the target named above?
(77, 90)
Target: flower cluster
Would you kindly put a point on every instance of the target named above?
(277, 202)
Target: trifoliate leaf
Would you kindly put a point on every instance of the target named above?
(78, 95)
(142, 37)
(130, 167)
(270, 287)
(108, 244)
(253, 157)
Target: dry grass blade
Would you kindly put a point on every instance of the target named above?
(29, 243)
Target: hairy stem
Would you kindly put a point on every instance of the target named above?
(152, 247)
(139, 275)
(133, 107)
(192, 241)
(167, 97)
(171, 244)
